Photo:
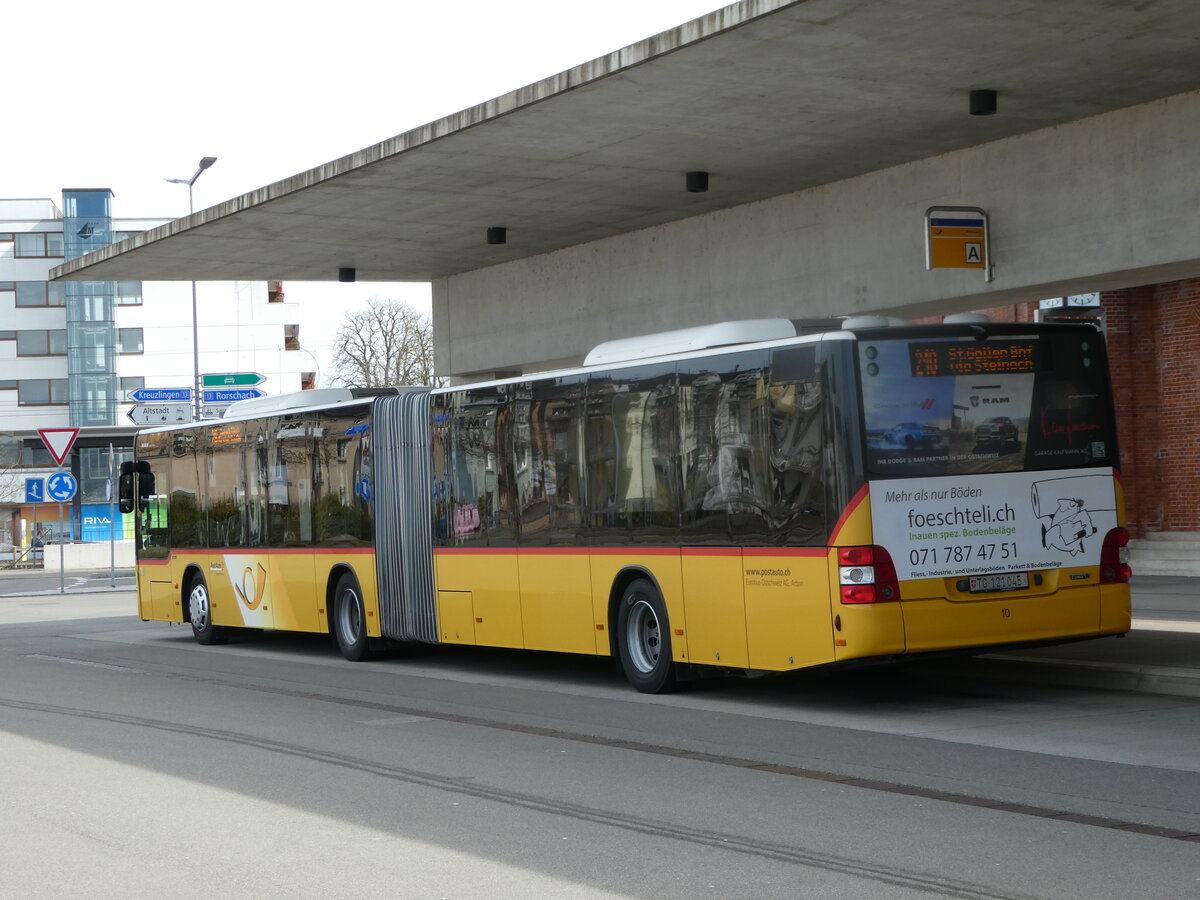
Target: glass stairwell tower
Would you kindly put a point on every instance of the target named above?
(92, 384)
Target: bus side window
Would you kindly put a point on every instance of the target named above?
(222, 467)
(791, 438)
(721, 398)
(548, 463)
(633, 455)
(185, 513)
(481, 498)
(341, 516)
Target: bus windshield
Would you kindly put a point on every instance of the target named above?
(956, 406)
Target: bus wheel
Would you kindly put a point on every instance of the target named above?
(350, 619)
(644, 639)
(200, 614)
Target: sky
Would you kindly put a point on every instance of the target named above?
(124, 96)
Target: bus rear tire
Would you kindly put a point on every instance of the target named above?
(200, 614)
(350, 620)
(644, 639)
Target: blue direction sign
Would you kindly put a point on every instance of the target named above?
(35, 490)
(161, 395)
(61, 486)
(231, 395)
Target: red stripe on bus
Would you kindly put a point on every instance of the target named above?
(847, 512)
(261, 551)
(548, 551)
(787, 551)
(472, 551)
(634, 551)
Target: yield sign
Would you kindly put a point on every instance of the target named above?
(59, 441)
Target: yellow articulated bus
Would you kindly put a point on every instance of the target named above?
(738, 497)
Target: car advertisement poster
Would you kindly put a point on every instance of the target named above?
(945, 407)
(969, 526)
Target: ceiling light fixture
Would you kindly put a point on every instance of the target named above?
(983, 103)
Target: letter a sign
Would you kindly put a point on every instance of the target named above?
(956, 237)
(59, 441)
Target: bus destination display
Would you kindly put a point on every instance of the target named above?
(972, 358)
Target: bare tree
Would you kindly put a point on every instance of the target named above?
(388, 343)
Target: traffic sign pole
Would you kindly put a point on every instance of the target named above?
(61, 486)
(62, 565)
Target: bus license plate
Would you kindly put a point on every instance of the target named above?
(1006, 581)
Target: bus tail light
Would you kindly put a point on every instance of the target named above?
(1114, 557)
(867, 575)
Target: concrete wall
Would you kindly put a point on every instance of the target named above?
(1107, 202)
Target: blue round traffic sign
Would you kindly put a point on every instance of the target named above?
(61, 486)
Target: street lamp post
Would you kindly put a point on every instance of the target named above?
(196, 387)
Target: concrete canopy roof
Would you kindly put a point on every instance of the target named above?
(768, 96)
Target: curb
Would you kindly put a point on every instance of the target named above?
(71, 592)
(1104, 676)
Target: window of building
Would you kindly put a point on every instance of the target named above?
(132, 383)
(308, 381)
(10, 449)
(41, 391)
(6, 285)
(129, 340)
(42, 343)
(8, 335)
(6, 237)
(38, 243)
(127, 293)
(291, 337)
(35, 454)
(274, 291)
(40, 293)
(8, 384)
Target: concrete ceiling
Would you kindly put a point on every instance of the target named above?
(768, 96)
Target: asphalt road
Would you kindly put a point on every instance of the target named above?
(138, 764)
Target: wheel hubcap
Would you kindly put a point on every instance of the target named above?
(349, 617)
(643, 639)
(198, 607)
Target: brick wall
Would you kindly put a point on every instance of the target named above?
(1154, 354)
(1154, 338)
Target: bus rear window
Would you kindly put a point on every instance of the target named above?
(1009, 403)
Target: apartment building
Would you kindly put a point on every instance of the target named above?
(72, 352)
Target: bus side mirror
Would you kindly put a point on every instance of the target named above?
(125, 488)
(145, 484)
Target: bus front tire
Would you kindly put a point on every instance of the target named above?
(350, 620)
(200, 614)
(644, 639)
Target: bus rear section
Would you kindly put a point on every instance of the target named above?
(992, 511)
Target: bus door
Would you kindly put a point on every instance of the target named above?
(288, 472)
(240, 570)
(553, 564)
(786, 576)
